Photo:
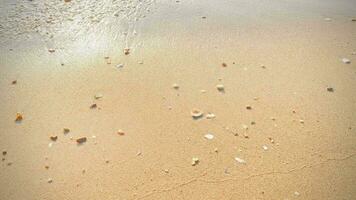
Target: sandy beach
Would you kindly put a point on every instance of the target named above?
(158, 99)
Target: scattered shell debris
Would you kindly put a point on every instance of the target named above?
(81, 140)
(240, 160)
(209, 136)
(195, 161)
(19, 117)
(346, 60)
(196, 113)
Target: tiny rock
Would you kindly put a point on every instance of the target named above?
(81, 140)
(19, 117)
(301, 121)
(264, 147)
(93, 106)
(14, 82)
(54, 138)
(4, 152)
(49, 180)
(248, 107)
(166, 170)
(195, 161)
(175, 86)
(220, 87)
(126, 51)
(216, 150)
(330, 89)
(224, 65)
(66, 130)
(120, 65)
(51, 50)
(120, 132)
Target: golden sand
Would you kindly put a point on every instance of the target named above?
(275, 132)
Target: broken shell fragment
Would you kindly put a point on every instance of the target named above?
(120, 65)
(240, 160)
(210, 115)
(346, 60)
(209, 136)
(196, 113)
(195, 161)
(81, 140)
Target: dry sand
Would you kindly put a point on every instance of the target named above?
(297, 140)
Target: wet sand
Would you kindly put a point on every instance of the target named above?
(297, 140)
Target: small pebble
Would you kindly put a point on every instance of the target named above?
(166, 170)
(301, 121)
(49, 180)
(51, 50)
(119, 65)
(216, 150)
(81, 140)
(120, 132)
(19, 117)
(4, 152)
(175, 86)
(248, 107)
(93, 106)
(264, 147)
(195, 161)
(54, 138)
(220, 88)
(66, 130)
(224, 65)
(330, 89)
(296, 193)
(14, 82)
(126, 51)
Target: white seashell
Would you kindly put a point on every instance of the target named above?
(209, 136)
(240, 160)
